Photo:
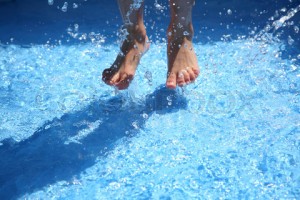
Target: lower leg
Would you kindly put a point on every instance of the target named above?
(182, 61)
(134, 45)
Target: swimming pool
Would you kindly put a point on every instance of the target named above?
(64, 134)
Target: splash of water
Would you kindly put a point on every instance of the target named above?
(270, 29)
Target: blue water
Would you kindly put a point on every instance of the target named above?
(233, 134)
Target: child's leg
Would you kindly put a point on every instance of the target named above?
(182, 61)
(123, 69)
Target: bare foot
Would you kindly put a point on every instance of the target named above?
(182, 61)
(122, 71)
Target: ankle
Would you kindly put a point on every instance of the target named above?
(178, 30)
(136, 32)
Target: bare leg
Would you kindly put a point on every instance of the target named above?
(122, 71)
(182, 61)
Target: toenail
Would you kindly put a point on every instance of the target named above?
(180, 74)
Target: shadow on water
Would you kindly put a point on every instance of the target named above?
(45, 158)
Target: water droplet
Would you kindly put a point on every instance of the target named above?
(229, 12)
(290, 40)
(65, 7)
(185, 33)
(38, 99)
(294, 67)
(148, 75)
(75, 5)
(76, 27)
(136, 4)
(180, 75)
(135, 125)
(158, 6)
(296, 29)
(50, 2)
(145, 116)
(179, 26)
(283, 9)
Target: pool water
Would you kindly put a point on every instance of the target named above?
(233, 134)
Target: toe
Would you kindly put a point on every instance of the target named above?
(187, 78)
(183, 78)
(115, 79)
(124, 81)
(191, 74)
(180, 79)
(106, 76)
(171, 81)
(196, 72)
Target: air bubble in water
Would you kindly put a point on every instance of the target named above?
(50, 2)
(229, 12)
(298, 56)
(65, 7)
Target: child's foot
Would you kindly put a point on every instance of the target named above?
(122, 71)
(182, 62)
